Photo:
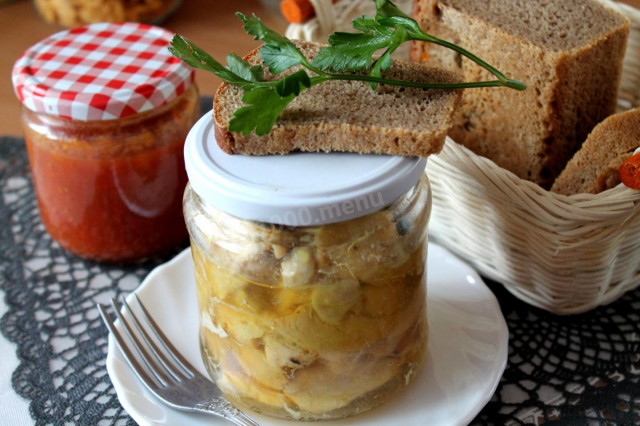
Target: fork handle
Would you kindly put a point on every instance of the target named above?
(220, 406)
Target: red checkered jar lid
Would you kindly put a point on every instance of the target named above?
(101, 71)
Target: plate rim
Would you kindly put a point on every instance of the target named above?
(501, 339)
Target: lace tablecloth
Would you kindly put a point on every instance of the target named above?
(578, 370)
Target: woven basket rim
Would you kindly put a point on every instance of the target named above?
(581, 203)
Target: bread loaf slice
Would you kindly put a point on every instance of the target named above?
(568, 52)
(349, 115)
(594, 168)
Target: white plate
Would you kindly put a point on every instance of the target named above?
(467, 354)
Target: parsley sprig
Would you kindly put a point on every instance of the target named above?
(349, 56)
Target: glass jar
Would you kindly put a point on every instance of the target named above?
(72, 13)
(311, 276)
(108, 166)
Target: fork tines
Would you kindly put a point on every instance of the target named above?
(160, 368)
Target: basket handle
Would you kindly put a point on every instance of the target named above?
(325, 14)
(318, 28)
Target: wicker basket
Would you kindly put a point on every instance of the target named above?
(563, 254)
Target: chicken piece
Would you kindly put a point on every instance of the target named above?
(364, 246)
(298, 267)
(243, 330)
(256, 263)
(279, 251)
(394, 288)
(285, 357)
(214, 283)
(306, 329)
(242, 391)
(318, 389)
(241, 324)
(331, 301)
(245, 360)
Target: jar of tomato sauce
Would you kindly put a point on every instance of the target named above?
(310, 272)
(106, 110)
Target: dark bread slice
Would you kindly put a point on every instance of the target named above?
(349, 115)
(568, 52)
(594, 168)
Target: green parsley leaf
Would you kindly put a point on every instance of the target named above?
(254, 26)
(198, 58)
(385, 8)
(293, 83)
(353, 51)
(407, 23)
(264, 105)
(278, 53)
(278, 58)
(241, 68)
(384, 62)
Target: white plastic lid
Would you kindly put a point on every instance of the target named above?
(298, 189)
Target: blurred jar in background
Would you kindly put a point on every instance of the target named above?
(71, 13)
(106, 110)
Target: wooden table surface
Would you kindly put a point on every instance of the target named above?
(210, 24)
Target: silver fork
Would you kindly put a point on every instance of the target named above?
(168, 375)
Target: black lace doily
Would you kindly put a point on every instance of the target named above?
(575, 370)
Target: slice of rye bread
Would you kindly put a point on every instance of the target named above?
(349, 115)
(594, 168)
(568, 52)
